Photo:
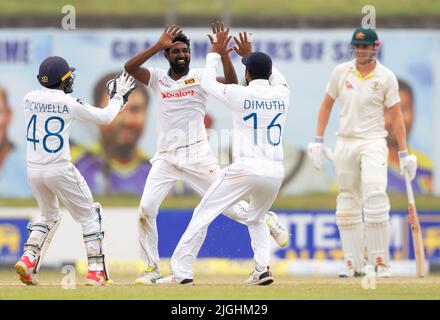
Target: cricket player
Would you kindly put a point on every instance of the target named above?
(49, 114)
(183, 151)
(365, 88)
(259, 112)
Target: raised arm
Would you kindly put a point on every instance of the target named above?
(133, 66)
(123, 87)
(230, 76)
(209, 81)
(96, 115)
(277, 78)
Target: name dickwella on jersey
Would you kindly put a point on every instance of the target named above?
(45, 107)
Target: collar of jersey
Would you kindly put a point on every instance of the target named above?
(181, 78)
(368, 76)
(259, 82)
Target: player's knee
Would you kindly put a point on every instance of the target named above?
(376, 207)
(148, 209)
(348, 210)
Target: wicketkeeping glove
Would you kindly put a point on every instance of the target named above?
(408, 163)
(122, 86)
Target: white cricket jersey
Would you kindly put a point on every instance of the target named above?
(49, 114)
(363, 100)
(259, 114)
(181, 109)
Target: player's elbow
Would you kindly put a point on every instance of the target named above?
(129, 68)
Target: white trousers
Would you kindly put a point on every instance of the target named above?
(234, 183)
(361, 173)
(66, 183)
(197, 166)
(361, 166)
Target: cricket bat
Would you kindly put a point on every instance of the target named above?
(419, 249)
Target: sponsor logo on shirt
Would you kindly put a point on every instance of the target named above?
(348, 85)
(177, 95)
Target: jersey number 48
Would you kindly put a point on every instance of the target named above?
(32, 127)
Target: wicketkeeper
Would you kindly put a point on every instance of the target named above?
(49, 114)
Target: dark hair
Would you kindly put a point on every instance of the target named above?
(256, 76)
(54, 86)
(180, 38)
(100, 88)
(403, 85)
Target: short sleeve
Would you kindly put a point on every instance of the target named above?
(154, 77)
(391, 91)
(332, 87)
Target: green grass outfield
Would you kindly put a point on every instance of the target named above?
(309, 201)
(223, 288)
(297, 8)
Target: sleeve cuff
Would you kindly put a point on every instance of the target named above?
(213, 55)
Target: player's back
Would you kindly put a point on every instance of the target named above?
(259, 115)
(48, 117)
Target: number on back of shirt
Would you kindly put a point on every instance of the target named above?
(269, 130)
(53, 135)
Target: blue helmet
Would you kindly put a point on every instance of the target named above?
(54, 70)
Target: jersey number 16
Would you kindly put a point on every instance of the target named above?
(271, 126)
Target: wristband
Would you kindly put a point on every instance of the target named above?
(403, 154)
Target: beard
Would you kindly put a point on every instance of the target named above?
(179, 68)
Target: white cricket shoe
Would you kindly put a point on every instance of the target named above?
(262, 278)
(278, 232)
(149, 276)
(351, 273)
(172, 280)
(382, 271)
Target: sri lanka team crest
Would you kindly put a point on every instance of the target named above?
(190, 81)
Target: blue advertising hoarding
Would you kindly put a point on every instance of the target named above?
(314, 235)
(13, 234)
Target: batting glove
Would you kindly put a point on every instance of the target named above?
(408, 163)
(316, 150)
(122, 86)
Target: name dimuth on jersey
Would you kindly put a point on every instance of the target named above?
(262, 104)
(34, 106)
